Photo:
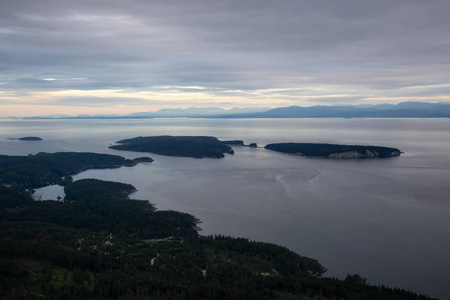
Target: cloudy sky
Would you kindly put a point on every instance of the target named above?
(111, 56)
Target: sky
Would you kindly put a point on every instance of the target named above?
(120, 57)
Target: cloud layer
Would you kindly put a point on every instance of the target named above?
(132, 56)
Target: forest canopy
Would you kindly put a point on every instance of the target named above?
(184, 146)
(120, 248)
(42, 169)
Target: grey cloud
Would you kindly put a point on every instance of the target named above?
(248, 45)
(103, 101)
(337, 100)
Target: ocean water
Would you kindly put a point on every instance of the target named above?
(386, 219)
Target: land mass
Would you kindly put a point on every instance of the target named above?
(30, 138)
(401, 110)
(184, 146)
(99, 244)
(234, 142)
(240, 143)
(27, 138)
(42, 169)
(408, 109)
(333, 150)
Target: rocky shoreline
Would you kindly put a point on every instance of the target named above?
(334, 151)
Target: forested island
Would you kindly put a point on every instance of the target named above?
(240, 143)
(183, 146)
(333, 150)
(234, 142)
(30, 138)
(42, 169)
(27, 138)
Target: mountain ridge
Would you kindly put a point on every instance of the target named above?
(409, 109)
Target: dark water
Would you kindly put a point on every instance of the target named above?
(386, 219)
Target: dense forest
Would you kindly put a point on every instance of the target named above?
(42, 169)
(185, 146)
(333, 150)
(98, 244)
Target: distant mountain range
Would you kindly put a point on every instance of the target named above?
(199, 112)
(401, 110)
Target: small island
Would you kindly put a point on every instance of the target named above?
(234, 142)
(334, 151)
(182, 146)
(240, 143)
(30, 138)
(26, 138)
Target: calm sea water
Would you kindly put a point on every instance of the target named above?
(386, 219)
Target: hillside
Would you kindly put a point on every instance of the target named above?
(124, 249)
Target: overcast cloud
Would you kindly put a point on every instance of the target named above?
(148, 55)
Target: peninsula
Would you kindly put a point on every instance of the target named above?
(183, 146)
(333, 150)
(99, 244)
(42, 169)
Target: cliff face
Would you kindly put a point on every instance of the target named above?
(356, 154)
(350, 154)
